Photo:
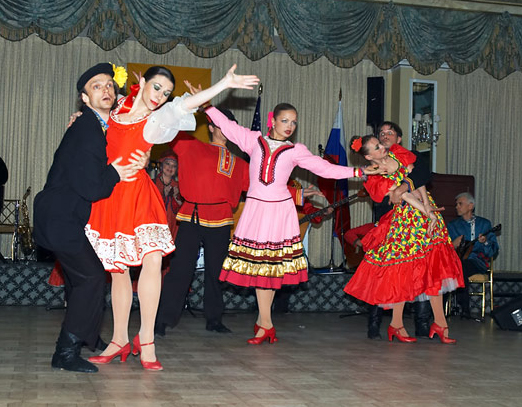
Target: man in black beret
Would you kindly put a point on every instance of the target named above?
(79, 176)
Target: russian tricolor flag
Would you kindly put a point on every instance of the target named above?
(335, 150)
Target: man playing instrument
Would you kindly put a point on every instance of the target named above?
(468, 227)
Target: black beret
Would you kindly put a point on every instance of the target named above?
(104, 67)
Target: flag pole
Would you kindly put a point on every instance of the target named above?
(256, 120)
(331, 264)
(343, 264)
(335, 152)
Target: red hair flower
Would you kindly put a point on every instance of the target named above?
(357, 144)
(269, 120)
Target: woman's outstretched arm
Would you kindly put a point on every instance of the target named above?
(229, 81)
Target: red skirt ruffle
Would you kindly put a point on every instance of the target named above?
(437, 272)
(272, 283)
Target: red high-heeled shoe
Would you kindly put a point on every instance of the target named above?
(441, 331)
(269, 336)
(123, 353)
(392, 331)
(136, 350)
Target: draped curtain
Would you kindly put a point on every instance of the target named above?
(345, 32)
(483, 140)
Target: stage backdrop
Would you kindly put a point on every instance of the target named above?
(196, 76)
(482, 128)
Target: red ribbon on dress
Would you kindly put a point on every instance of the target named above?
(129, 100)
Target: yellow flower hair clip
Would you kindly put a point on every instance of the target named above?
(120, 75)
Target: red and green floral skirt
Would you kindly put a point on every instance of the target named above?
(402, 263)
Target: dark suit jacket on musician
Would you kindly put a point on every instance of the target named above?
(78, 176)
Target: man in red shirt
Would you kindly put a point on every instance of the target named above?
(353, 236)
(211, 180)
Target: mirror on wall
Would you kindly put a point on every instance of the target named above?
(423, 129)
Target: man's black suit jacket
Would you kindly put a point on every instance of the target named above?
(78, 176)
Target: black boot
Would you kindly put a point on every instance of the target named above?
(422, 318)
(374, 322)
(67, 354)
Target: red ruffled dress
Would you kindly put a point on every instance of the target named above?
(132, 221)
(402, 263)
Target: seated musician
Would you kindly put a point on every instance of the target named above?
(466, 228)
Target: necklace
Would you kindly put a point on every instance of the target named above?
(271, 138)
(129, 120)
(163, 182)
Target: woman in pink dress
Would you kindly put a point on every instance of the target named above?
(266, 250)
(130, 227)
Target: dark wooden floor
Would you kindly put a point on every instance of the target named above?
(320, 360)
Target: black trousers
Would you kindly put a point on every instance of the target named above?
(469, 267)
(85, 280)
(176, 282)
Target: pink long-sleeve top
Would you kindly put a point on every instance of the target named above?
(269, 171)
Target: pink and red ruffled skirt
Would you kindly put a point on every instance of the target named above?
(266, 249)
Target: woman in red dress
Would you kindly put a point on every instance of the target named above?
(409, 255)
(130, 227)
